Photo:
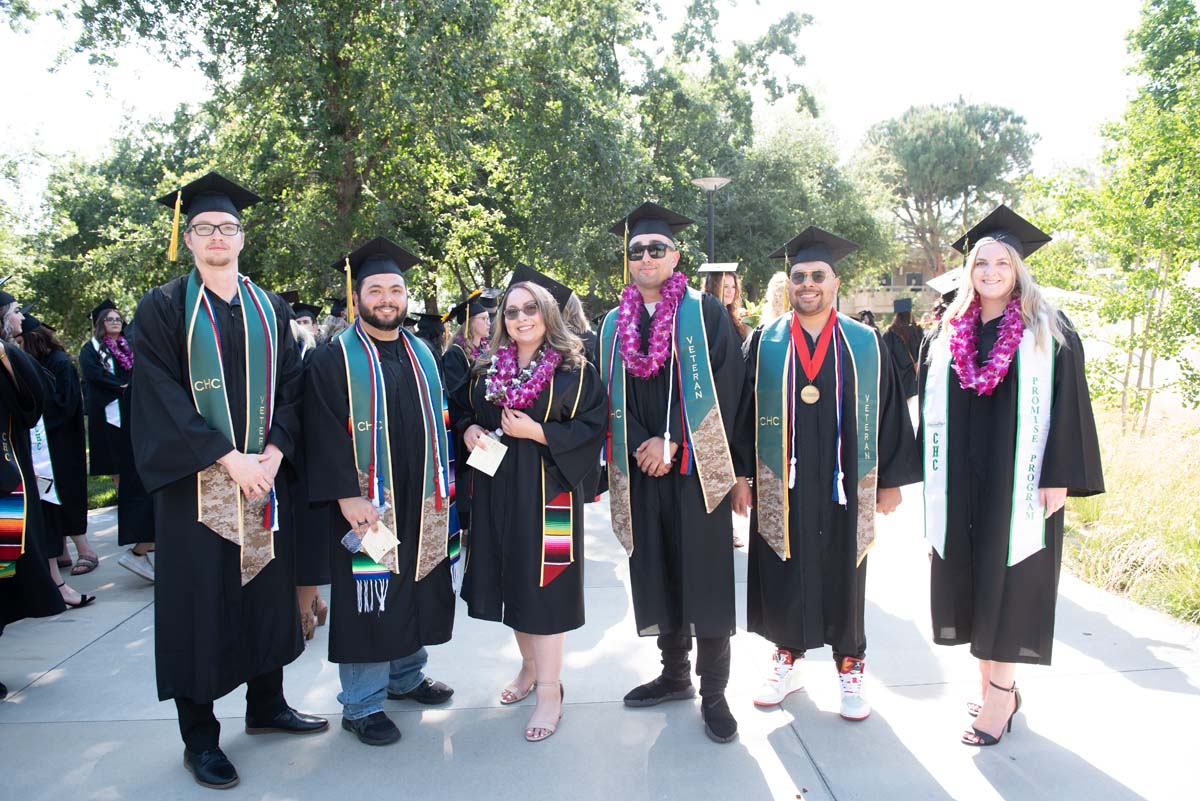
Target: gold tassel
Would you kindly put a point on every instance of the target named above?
(626, 251)
(349, 293)
(173, 248)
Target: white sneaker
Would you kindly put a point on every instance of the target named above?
(783, 680)
(854, 706)
(139, 564)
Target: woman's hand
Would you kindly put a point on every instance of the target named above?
(471, 436)
(360, 513)
(522, 426)
(1053, 498)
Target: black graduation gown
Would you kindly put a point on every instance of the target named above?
(135, 506)
(310, 520)
(596, 481)
(681, 571)
(63, 418)
(905, 350)
(100, 389)
(456, 365)
(1007, 613)
(30, 592)
(417, 613)
(504, 557)
(817, 597)
(210, 633)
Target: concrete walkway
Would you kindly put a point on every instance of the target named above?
(1114, 718)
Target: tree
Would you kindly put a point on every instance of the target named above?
(945, 165)
(1166, 45)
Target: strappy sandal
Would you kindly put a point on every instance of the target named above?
(535, 732)
(978, 738)
(85, 564)
(84, 600)
(512, 694)
(320, 609)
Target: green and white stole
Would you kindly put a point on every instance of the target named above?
(775, 397)
(704, 443)
(372, 453)
(1035, 386)
(12, 506)
(220, 505)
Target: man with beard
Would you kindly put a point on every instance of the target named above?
(215, 410)
(389, 472)
(674, 374)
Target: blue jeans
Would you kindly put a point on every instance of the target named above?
(365, 685)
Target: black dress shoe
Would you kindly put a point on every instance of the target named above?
(289, 721)
(375, 729)
(211, 768)
(428, 692)
(719, 723)
(653, 693)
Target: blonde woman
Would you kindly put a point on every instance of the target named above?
(776, 297)
(1008, 433)
(535, 392)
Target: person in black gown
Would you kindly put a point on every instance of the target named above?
(224, 615)
(983, 590)
(525, 562)
(814, 593)
(596, 482)
(681, 567)
(383, 614)
(903, 340)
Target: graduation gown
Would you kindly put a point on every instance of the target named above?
(905, 354)
(817, 597)
(135, 507)
(29, 592)
(596, 481)
(415, 613)
(681, 571)
(210, 633)
(100, 389)
(309, 520)
(504, 556)
(63, 419)
(456, 367)
(1007, 613)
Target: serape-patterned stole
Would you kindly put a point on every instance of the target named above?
(370, 583)
(12, 510)
(220, 505)
(558, 524)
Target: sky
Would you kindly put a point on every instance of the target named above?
(1061, 64)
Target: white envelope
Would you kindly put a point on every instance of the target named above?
(379, 541)
(112, 413)
(488, 454)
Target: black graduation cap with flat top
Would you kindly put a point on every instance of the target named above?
(104, 306)
(651, 218)
(380, 256)
(481, 301)
(211, 192)
(815, 244)
(1004, 225)
(558, 290)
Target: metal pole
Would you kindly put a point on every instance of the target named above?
(712, 258)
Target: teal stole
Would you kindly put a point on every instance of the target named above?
(776, 368)
(704, 448)
(372, 450)
(220, 504)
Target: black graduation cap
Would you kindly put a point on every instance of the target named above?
(337, 306)
(1006, 226)
(104, 306)
(650, 218)
(6, 298)
(212, 192)
(901, 305)
(481, 301)
(28, 307)
(559, 291)
(815, 244)
(307, 310)
(380, 256)
(290, 296)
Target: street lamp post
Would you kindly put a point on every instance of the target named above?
(710, 185)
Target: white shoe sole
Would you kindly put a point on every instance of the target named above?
(769, 704)
(136, 572)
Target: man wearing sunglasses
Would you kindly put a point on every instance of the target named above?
(674, 376)
(830, 443)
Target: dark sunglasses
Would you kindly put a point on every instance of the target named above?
(656, 250)
(799, 277)
(530, 309)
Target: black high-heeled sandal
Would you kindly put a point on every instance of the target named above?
(982, 738)
(84, 600)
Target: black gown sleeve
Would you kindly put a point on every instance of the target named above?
(93, 370)
(23, 393)
(1072, 456)
(64, 397)
(289, 386)
(896, 446)
(573, 443)
(171, 441)
(328, 446)
(741, 442)
(728, 370)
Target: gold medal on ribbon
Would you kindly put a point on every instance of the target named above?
(810, 394)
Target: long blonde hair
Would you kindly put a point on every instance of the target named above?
(557, 336)
(776, 298)
(1037, 313)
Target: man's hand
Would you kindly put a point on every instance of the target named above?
(471, 436)
(522, 426)
(887, 499)
(741, 498)
(360, 513)
(1053, 498)
(245, 469)
(649, 457)
(270, 459)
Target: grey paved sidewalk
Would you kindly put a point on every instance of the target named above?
(1112, 719)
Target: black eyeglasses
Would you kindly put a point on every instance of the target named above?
(530, 309)
(656, 250)
(799, 277)
(112, 319)
(206, 229)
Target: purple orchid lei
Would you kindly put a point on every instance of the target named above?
(512, 388)
(645, 365)
(964, 347)
(121, 351)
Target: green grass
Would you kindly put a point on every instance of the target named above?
(101, 492)
(1141, 537)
